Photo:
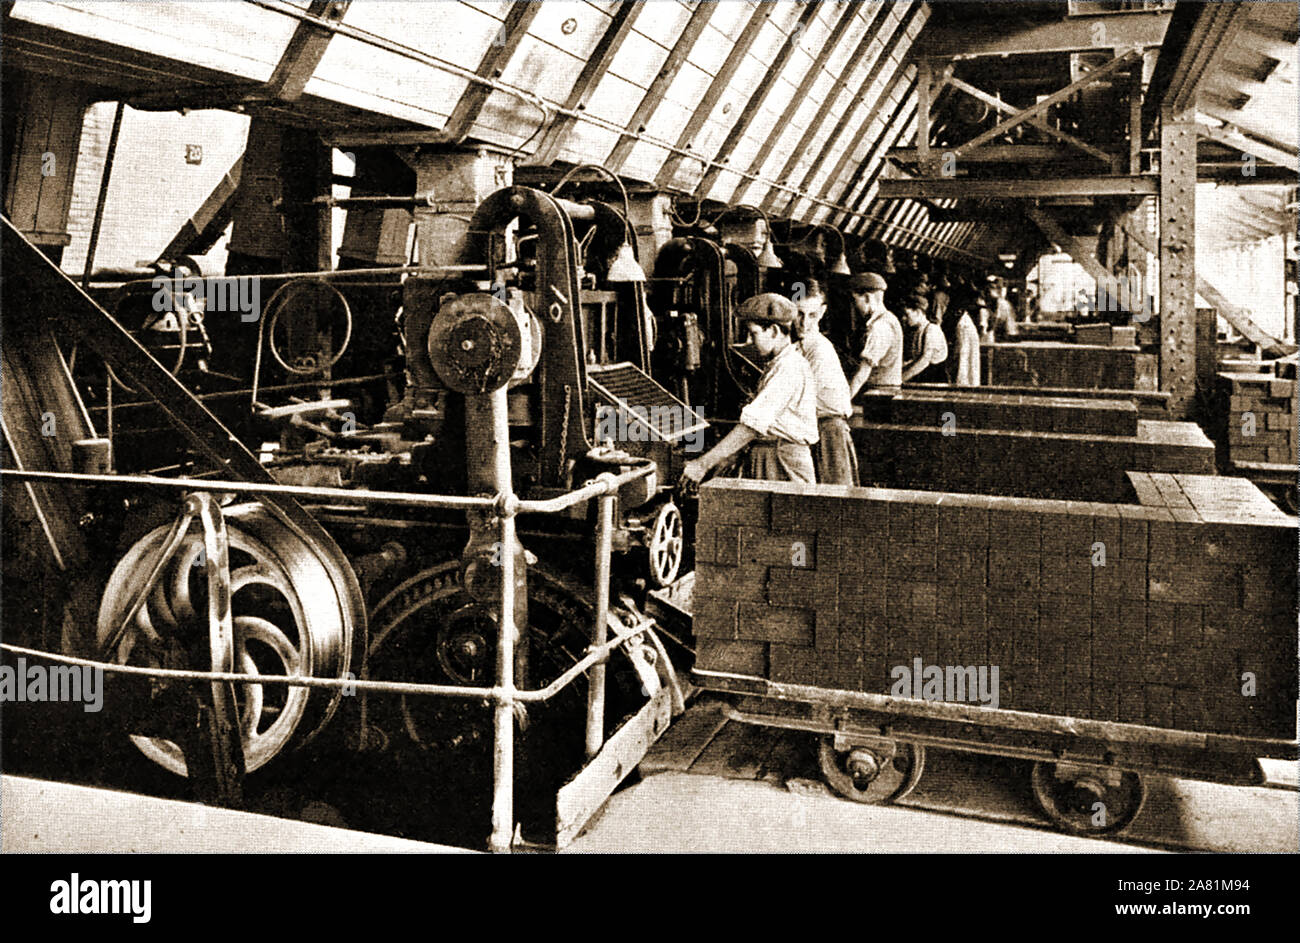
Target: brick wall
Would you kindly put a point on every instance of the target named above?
(153, 190)
(834, 586)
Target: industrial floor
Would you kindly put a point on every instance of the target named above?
(712, 785)
(708, 785)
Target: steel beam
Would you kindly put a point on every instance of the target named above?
(654, 95)
(1042, 106)
(1178, 262)
(717, 87)
(956, 188)
(1271, 151)
(1039, 123)
(756, 101)
(1216, 28)
(1075, 34)
(998, 154)
(598, 63)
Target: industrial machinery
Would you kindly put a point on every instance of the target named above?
(526, 380)
(697, 285)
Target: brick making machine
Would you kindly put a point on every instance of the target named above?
(320, 555)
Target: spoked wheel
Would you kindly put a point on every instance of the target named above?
(430, 629)
(870, 774)
(1088, 800)
(288, 620)
(667, 545)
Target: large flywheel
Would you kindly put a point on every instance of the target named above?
(429, 628)
(288, 617)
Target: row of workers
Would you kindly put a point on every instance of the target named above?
(796, 426)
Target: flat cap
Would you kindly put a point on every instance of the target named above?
(866, 281)
(768, 309)
(917, 299)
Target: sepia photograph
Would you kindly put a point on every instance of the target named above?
(745, 427)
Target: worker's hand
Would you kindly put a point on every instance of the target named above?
(693, 472)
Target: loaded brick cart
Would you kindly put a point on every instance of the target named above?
(1104, 642)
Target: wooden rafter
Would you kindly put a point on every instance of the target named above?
(598, 63)
(304, 51)
(815, 130)
(654, 95)
(720, 84)
(901, 74)
(493, 63)
(884, 58)
(895, 128)
(806, 83)
(756, 101)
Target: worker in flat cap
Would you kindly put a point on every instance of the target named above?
(779, 424)
(880, 364)
(834, 456)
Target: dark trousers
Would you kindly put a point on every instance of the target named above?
(834, 457)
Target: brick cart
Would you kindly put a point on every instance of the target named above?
(1258, 430)
(1128, 639)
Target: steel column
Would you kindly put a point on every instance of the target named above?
(1178, 261)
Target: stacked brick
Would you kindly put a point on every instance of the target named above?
(1059, 465)
(1047, 363)
(834, 587)
(1261, 418)
(981, 410)
(1105, 335)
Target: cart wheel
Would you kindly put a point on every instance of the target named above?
(859, 774)
(666, 545)
(1289, 499)
(1087, 800)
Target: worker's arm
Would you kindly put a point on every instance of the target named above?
(916, 366)
(734, 441)
(860, 378)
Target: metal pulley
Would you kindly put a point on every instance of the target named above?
(475, 343)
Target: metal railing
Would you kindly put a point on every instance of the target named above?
(503, 694)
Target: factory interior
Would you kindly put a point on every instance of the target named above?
(410, 444)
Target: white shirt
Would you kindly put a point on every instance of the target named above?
(785, 406)
(968, 352)
(883, 350)
(828, 376)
